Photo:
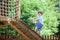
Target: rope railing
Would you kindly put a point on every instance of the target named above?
(3, 8)
(9, 8)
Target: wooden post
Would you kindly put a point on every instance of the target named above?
(18, 11)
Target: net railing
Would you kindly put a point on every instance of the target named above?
(9, 8)
(3, 8)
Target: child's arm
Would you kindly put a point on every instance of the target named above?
(35, 20)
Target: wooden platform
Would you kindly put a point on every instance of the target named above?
(3, 21)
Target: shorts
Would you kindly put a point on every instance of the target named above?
(39, 26)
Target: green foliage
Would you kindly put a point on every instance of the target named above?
(12, 10)
(58, 10)
(8, 31)
(30, 8)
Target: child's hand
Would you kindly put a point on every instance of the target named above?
(36, 20)
(33, 20)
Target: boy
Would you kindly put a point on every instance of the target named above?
(39, 21)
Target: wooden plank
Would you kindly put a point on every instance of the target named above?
(25, 31)
(18, 6)
(3, 21)
(19, 30)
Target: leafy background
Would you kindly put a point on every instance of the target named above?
(29, 9)
(51, 14)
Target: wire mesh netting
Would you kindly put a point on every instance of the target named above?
(3, 8)
(8, 8)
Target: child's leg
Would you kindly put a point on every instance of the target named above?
(35, 28)
(40, 32)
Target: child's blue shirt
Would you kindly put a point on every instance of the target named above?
(40, 20)
(40, 23)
